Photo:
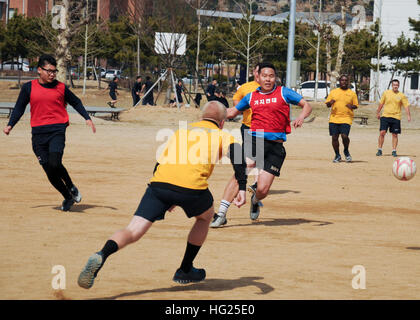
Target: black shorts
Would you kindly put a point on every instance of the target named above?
(268, 155)
(113, 95)
(393, 124)
(45, 143)
(339, 128)
(157, 200)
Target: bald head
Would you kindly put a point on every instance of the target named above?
(214, 110)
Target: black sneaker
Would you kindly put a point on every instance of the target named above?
(77, 196)
(337, 159)
(66, 205)
(194, 275)
(253, 188)
(90, 271)
(379, 153)
(254, 210)
(394, 153)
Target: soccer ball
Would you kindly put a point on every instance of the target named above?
(404, 168)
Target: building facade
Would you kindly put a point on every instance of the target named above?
(394, 21)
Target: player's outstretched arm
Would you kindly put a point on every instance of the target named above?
(306, 111)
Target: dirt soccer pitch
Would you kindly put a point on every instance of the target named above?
(323, 230)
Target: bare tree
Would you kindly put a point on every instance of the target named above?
(247, 36)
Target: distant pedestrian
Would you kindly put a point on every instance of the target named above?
(148, 98)
(135, 91)
(113, 92)
(211, 89)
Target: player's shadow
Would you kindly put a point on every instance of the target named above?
(212, 285)
(356, 161)
(77, 207)
(279, 222)
(413, 248)
(282, 191)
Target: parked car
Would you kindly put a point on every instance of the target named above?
(103, 72)
(111, 73)
(307, 88)
(14, 65)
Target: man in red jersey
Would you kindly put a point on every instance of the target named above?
(49, 120)
(270, 123)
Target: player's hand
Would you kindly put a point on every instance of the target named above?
(298, 122)
(7, 129)
(91, 125)
(408, 118)
(240, 198)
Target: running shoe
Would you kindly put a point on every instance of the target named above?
(89, 272)
(254, 210)
(348, 158)
(337, 159)
(252, 188)
(218, 221)
(77, 196)
(67, 204)
(379, 153)
(194, 275)
(394, 153)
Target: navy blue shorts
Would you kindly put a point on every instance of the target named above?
(157, 200)
(45, 143)
(393, 124)
(113, 95)
(339, 128)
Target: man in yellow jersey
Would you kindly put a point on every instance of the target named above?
(342, 102)
(393, 100)
(231, 190)
(180, 179)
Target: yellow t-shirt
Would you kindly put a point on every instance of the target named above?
(340, 113)
(190, 155)
(241, 93)
(392, 104)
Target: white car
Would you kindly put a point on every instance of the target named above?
(9, 65)
(110, 74)
(307, 89)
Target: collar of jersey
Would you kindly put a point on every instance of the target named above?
(259, 90)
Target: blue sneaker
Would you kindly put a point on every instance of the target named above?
(394, 153)
(89, 272)
(254, 210)
(194, 275)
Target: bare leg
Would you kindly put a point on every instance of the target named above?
(265, 180)
(336, 144)
(394, 141)
(381, 138)
(200, 229)
(133, 232)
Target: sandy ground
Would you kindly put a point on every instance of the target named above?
(320, 220)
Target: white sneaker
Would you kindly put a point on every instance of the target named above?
(218, 221)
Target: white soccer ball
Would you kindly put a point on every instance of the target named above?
(404, 168)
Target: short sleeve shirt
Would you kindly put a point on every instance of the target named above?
(340, 113)
(392, 104)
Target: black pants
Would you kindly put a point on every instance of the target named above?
(136, 98)
(49, 149)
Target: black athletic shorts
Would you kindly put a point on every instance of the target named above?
(339, 128)
(113, 95)
(45, 143)
(158, 198)
(268, 155)
(393, 124)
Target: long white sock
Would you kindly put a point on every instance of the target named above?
(224, 206)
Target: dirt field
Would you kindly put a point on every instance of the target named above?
(320, 220)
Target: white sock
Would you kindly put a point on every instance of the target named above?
(380, 149)
(224, 206)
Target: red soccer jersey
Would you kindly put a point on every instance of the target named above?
(270, 111)
(48, 105)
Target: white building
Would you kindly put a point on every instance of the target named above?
(394, 16)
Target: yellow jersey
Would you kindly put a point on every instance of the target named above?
(392, 104)
(340, 113)
(189, 157)
(242, 91)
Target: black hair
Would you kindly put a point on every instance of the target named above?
(147, 78)
(115, 78)
(396, 80)
(263, 65)
(46, 59)
(343, 75)
(138, 77)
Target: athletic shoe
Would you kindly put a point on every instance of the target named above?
(394, 153)
(254, 210)
(89, 272)
(110, 104)
(348, 158)
(67, 203)
(379, 153)
(337, 159)
(77, 196)
(253, 188)
(218, 221)
(194, 275)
